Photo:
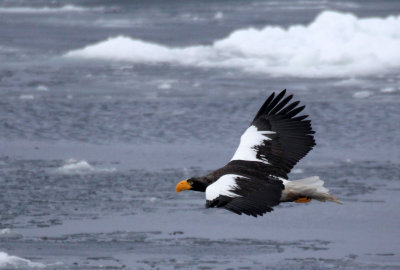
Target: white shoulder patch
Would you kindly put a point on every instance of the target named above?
(222, 186)
(251, 138)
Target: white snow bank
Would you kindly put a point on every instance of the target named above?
(333, 45)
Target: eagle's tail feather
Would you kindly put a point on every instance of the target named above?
(310, 188)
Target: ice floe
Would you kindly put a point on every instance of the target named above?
(333, 45)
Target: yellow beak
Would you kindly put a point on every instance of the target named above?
(183, 185)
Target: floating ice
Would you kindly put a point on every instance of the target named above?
(297, 171)
(42, 88)
(350, 82)
(14, 262)
(218, 16)
(388, 90)
(27, 97)
(164, 86)
(47, 9)
(362, 94)
(191, 17)
(73, 166)
(333, 45)
(9, 234)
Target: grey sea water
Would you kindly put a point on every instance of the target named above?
(91, 147)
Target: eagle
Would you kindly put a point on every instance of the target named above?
(256, 178)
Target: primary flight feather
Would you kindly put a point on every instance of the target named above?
(256, 179)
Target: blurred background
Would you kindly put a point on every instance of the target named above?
(106, 105)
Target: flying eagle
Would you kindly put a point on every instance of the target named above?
(256, 178)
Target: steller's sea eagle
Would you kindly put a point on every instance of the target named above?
(256, 179)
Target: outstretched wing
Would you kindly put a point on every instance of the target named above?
(245, 195)
(277, 137)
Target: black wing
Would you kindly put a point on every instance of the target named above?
(245, 195)
(277, 137)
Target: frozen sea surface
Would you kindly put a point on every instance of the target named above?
(105, 106)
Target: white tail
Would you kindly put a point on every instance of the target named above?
(311, 187)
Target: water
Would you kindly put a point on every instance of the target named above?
(92, 146)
